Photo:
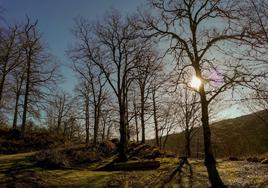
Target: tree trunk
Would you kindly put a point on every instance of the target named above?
(87, 120)
(65, 129)
(187, 144)
(27, 88)
(16, 111)
(103, 130)
(142, 117)
(155, 121)
(3, 79)
(136, 126)
(136, 121)
(2, 87)
(122, 148)
(210, 161)
(127, 123)
(96, 126)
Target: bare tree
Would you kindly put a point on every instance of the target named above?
(97, 94)
(83, 90)
(188, 25)
(167, 123)
(10, 55)
(135, 111)
(94, 79)
(156, 88)
(60, 107)
(188, 115)
(40, 69)
(17, 89)
(112, 47)
(146, 68)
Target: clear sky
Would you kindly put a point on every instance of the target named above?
(55, 20)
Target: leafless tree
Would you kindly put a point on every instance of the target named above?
(111, 45)
(59, 109)
(188, 115)
(193, 38)
(95, 82)
(17, 88)
(83, 90)
(10, 55)
(39, 66)
(145, 71)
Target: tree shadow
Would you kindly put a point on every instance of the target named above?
(182, 176)
(187, 175)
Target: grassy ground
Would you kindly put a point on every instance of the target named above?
(18, 171)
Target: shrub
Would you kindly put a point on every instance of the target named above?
(86, 156)
(51, 159)
(232, 158)
(254, 159)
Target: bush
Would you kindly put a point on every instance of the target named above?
(106, 147)
(232, 158)
(11, 141)
(254, 159)
(51, 159)
(86, 156)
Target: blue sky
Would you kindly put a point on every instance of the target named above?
(55, 21)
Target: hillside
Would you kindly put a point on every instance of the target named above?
(242, 136)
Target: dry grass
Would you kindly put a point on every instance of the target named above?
(18, 171)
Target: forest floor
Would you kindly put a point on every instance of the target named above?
(18, 171)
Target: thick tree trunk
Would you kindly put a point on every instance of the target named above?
(59, 124)
(187, 144)
(142, 117)
(96, 126)
(122, 148)
(210, 161)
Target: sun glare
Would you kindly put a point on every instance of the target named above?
(196, 82)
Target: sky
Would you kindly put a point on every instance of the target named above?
(56, 19)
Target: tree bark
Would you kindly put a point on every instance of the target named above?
(27, 90)
(136, 120)
(142, 116)
(87, 120)
(2, 85)
(123, 135)
(15, 117)
(155, 121)
(210, 161)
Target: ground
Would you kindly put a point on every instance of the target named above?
(18, 171)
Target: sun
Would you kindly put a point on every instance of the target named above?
(196, 82)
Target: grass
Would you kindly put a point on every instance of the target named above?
(18, 171)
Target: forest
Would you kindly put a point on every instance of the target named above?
(150, 93)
